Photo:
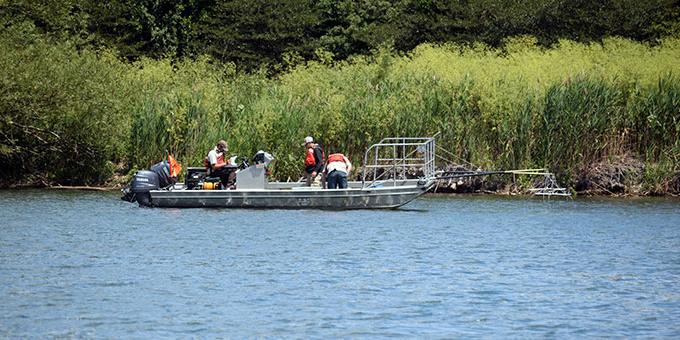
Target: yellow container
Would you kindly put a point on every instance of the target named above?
(210, 186)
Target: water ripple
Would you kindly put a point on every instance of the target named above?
(89, 265)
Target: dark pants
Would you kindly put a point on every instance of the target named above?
(337, 180)
(227, 175)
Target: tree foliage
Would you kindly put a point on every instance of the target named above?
(269, 32)
(256, 33)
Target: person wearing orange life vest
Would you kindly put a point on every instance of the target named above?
(218, 165)
(337, 167)
(314, 160)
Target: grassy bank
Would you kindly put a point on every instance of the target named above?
(74, 117)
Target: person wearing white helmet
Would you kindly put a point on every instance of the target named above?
(314, 160)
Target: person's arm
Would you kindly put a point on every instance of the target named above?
(212, 160)
(222, 164)
(318, 157)
(349, 165)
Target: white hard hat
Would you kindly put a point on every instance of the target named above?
(309, 139)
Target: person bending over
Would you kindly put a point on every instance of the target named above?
(338, 167)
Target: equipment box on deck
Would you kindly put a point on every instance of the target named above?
(194, 176)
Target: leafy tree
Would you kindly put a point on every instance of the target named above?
(262, 32)
(433, 21)
(153, 28)
(352, 27)
(588, 20)
(258, 32)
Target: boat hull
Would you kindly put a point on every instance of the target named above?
(294, 198)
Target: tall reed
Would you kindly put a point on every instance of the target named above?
(516, 108)
(519, 107)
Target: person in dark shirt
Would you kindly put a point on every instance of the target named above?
(314, 160)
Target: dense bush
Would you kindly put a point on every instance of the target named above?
(64, 114)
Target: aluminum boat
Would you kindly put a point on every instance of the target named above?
(387, 182)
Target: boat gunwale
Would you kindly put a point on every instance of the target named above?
(406, 194)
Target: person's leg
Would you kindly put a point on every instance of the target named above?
(222, 176)
(342, 180)
(231, 180)
(308, 179)
(331, 180)
(227, 177)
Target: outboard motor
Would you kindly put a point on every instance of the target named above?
(162, 169)
(138, 189)
(146, 180)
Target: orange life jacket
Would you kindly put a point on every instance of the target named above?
(336, 157)
(310, 160)
(220, 160)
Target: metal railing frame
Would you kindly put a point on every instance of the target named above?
(406, 152)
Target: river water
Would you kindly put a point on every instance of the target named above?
(88, 265)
